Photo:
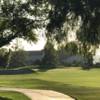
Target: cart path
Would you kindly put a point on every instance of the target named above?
(34, 94)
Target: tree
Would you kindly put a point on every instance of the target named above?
(16, 55)
(19, 18)
(88, 11)
(18, 58)
(50, 59)
(3, 57)
(71, 48)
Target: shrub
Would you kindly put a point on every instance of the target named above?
(19, 58)
(50, 59)
(3, 57)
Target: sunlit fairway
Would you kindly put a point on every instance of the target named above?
(78, 83)
(9, 95)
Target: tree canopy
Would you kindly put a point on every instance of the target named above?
(86, 13)
(87, 10)
(18, 18)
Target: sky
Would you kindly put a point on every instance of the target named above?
(27, 45)
(39, 45)
(34, 46)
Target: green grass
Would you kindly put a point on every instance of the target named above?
(81, 84)
(9, 95)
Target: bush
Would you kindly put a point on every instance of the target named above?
(3, 57)
(19, 58)
(71, 48)
(50, 59)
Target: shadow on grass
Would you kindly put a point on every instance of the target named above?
(14, 72)
(77, 92)
(4, 98)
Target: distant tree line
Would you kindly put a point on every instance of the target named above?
(18, 59)
(19, 19)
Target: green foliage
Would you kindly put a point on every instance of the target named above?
(52, 14)
(70, 11)
(87, 51)
(88, 10)
(71, 48)
(14, 18)
(3, 57)
(18, 58)
(18, 19)
(50, 58)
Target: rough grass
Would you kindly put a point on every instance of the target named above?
(81, 84)
(8, 95)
